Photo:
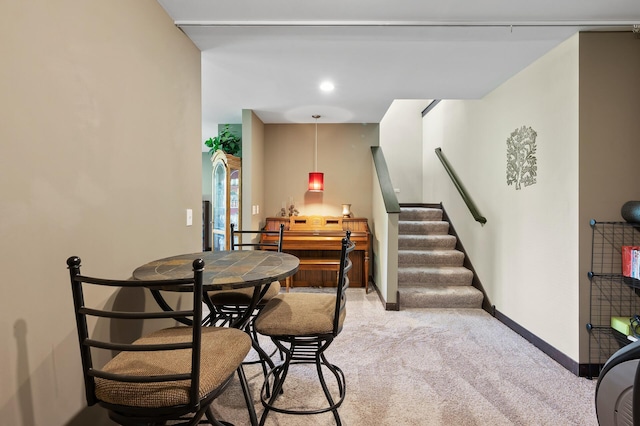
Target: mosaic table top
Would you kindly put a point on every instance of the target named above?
(224, 270)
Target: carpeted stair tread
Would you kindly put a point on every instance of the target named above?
(430, 258)
(417, 227)
(420, 213)
(430, 276)
(426, 242)
(440, 297)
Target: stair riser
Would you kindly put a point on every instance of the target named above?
(410, 298)
(430, 258)
(431, 303)
(423, 228)
(420, 214)
(413, 242)
(419, 279)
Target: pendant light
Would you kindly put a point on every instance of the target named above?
(316, 179)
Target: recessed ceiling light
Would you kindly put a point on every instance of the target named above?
(326, 86)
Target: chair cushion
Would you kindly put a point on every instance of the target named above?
(242, 296)
(298, 314)
(223, 350)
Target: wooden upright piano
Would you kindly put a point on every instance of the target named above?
(316, 240)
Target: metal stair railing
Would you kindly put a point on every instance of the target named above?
(461, 189)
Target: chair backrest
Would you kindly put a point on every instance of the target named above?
(82, 312)
(343, 281)
(260, 240)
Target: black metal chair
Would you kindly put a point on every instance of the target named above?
(227, 306)
(302, 326)
(170, 375)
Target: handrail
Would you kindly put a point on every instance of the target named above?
(388, 195)
(463, 193)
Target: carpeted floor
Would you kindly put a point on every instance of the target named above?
(457, 367)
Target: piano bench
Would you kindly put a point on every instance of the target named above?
(316, 264)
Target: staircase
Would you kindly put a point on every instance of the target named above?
(430, 271)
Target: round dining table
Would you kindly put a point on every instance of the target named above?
(223, 270)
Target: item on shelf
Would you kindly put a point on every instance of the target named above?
(631, 261)
(634, 326)
(631, 211)
(346, 210)
(289, 210)
(621, 324)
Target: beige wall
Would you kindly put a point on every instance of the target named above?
(99, 156)
(384, 245)
(252, 170)
(401, 144)
(344, 155)
(401, 139)
(609, 139)
(526, 255)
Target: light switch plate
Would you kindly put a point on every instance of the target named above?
(189, 217)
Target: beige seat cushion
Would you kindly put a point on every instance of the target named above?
(298, 314)
(242, 296)
(223, 350)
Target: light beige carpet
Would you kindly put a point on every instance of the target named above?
(457, 367)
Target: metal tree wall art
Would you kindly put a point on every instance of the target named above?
(522, 164)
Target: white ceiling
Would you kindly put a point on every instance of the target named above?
(270, 56)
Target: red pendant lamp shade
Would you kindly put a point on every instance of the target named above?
(316, 181)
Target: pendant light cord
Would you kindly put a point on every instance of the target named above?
(315, 169)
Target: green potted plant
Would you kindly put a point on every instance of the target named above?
(226, 141)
